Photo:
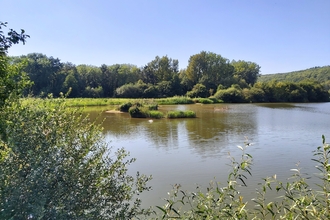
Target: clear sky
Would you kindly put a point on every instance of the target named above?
(279, 35)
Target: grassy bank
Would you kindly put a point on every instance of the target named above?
(176, 100)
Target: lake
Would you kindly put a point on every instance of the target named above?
(192, 152)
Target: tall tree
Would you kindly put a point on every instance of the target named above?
(209, 69)
(247, 71)
(42, 70)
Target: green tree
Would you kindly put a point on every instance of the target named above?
(199, 90)
(13, 80)
(247, 71)
(71, 83)
(42, 71)
(210, 69)
(253, 95)
(88, 77)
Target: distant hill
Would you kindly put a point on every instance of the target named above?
(320, 74)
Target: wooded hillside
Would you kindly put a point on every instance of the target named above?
(320, 74)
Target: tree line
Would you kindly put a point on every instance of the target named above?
(159, 78)
(207, 75)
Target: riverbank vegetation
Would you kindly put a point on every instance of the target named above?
(208, 75)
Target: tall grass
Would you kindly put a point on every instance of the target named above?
(83, 102)
(181, 114)
(175, 100)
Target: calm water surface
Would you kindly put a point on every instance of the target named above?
(192, 152)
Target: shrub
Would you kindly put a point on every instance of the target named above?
(199, 90)
(125, 107)
(231, 94)
(138, 112)
(55, 165)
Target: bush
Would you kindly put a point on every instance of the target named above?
(55, 165)
(231, 94)
(138, 112)
(199, 90)
(125, 107)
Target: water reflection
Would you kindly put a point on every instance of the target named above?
(207, 135)
(189, 151)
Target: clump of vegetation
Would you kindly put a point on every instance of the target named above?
(181, 114)
(125, 107)
(296, 200)
(153, 106)
(156, 114)
(140, 111)
(199, 90)
(204, 100)
(175, 100)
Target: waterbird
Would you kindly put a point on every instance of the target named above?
(150, 121)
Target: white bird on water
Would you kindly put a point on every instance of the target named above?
(150, 121)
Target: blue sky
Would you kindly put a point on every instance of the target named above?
(279, 35)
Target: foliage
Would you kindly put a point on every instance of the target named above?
(12, 37)
(318, 74)
(247, 71)
(199, 90)
(12, 80)
(181, 114)
(209, 69)
(138, 110)
(297, 200)
(125, 107)
(253, 95)
(130, 91)
(57, 166)
(280, 91)
(206, 74)
(232, 94)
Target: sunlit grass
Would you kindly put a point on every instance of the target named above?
(181, 114)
